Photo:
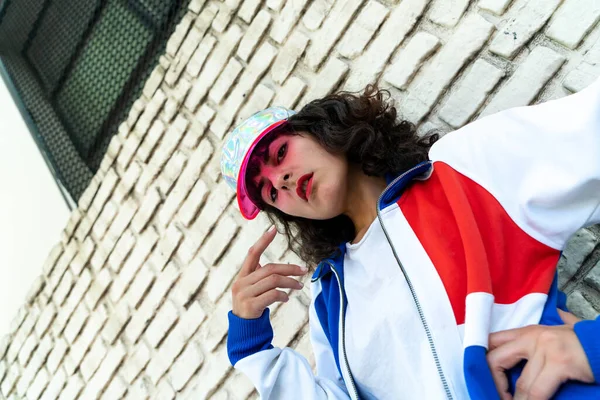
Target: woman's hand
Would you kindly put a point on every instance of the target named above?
(255, 287)
(553, 353)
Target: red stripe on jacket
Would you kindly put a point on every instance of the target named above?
(473, 243)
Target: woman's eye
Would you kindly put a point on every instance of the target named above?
(281, 153)
(273, 194)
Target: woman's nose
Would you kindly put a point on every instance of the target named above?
(283, 181)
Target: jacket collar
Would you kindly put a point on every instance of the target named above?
(396, 185)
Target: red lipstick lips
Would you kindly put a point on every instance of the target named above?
(304, 186)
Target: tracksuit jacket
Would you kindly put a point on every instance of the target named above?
(475, 235)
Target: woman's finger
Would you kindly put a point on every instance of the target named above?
(532, 369)
(545, 385)
(266, 299)
(253, 258)
(272, 282)
(275, 269)
(568, 318)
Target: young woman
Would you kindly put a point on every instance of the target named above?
(422, 247)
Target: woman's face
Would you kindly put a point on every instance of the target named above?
(300, 178)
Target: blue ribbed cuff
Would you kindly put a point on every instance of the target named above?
(248, 336)
(588, 332)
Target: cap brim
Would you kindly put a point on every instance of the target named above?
(247, 207)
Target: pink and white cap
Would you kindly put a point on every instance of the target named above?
(238, 148)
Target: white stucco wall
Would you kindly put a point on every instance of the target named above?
(32, 210)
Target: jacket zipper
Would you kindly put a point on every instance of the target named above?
(343, 335)
(413, 292)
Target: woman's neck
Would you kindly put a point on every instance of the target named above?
(363, 193)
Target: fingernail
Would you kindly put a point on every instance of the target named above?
(301, 285)
(304, 268)
(272, 229)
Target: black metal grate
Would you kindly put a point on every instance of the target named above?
(78, 66)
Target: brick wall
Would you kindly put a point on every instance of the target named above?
(132, 301)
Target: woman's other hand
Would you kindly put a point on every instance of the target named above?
(553, 353)
(255, 287)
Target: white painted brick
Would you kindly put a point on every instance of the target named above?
(162, 322)
(316, 13)
(59, 379)
(22, 334)
(527, 81)
(192, 203)
(161, 286)
(83, 256)
(27, 349)
(362, 29)
(494, 6)
(200, 55)
(88, 194)
(85, 225)
(171, 172)
(288, 320)
(217, 201)
(140, 389)
(259, 100)
(532, 15)
(188, 178)
(139, 254)
(175, 342)
(133, 117)
(562, 27)
(154, 81)
(192, 277)
(92, 359)
(98, 288)
(121, 251)
(104, 220)
(38, 385)
(127, 182)
(253, 35)
(117, 320)
(288, 56)
(274, 5)
(401, 21)
(261, 60)
(128, 151)
(45, 319)
(437, 75)
(151, 138)
(239, 385)
(165, 248)
(329, 77)
(62, 264)
(107, 186)
(185, 365)
(164, 391)
(115, 390)
(10, 379)
(135, 363)
(189, 45)
(196, 5)
(448, 12)
(52, 258)
(213, 370)
(290, 93)
(104, 373)
(170, 141)
(56, 356)
(226, 79)
(81, 286)
(76, 322)
(215, 328)
(73, 388)
(214, 66)
(179, 35)
(146, 210)
(248, 10)
(287, 19)
(215, 245)
(142, 281)
(83, 342)
(583, 76)
(98, 260)
(410, 59)
(149, 175)
(76, 216)
(226, 11)
(339, 17)
(34, 365)
(472, 92)
(63, 289)
(150, 112)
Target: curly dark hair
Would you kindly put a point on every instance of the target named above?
(362, 126)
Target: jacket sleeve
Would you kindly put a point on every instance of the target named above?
(283, 373)
(541, 163)
(588, 332)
